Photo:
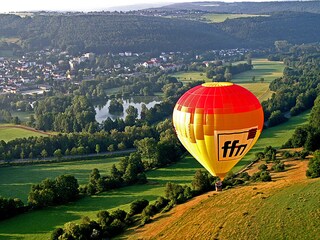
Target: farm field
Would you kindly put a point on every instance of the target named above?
(9, 132)
(285, 208)
(268, 70)
(181, 172)
(191, 76)
(217, 18)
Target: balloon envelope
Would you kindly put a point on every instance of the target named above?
(218, 123)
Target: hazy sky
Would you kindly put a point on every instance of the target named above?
(78, 5)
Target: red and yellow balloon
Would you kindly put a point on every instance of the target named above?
(218, 123)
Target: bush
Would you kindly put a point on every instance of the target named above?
(263, 167)
(314, 166)
(279, 167)
(304, 154)
(168, 207)
(118, 214)
(286, 154)
(160, 203)
(137, 206)
(149, 210)
(263, 176)
(260, 155)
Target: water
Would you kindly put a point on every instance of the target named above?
(102, 111)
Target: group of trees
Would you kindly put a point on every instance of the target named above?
(131, 171)
(308, 136)
(297, 90)
(112, 32)
(61, 190)
(10, 207)
(224, 73)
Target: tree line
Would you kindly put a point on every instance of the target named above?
(297, 90)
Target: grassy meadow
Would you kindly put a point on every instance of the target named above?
(285, 208)
(16, 181)
(9, 132)
(221, 17)
(262, 68)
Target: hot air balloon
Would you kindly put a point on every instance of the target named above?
(218, 123)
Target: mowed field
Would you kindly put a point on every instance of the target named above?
(17, 180)
(262, 68)
(221, 17)
(286, 208)
(9, 132)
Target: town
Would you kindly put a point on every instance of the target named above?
(35, 72)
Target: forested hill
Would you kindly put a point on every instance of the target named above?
(263, 31)
(117, 32)
(113, 32)
(248, 7)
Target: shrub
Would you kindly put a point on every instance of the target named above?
(161, 202)
(279, 167)
(263, 176)
(149, 210)
(137, 206)
(304, 154)
(119, 214)
(286, 154)
(263, 167)
(314, 166)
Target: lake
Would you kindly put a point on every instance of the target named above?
(102, 111)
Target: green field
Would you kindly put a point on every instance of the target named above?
(15, 182)
(46, 220)
(262, 68)
(275, 136)
(191, 76)
(23, 116)
(9, 132)
(221, 17)
(256, 211)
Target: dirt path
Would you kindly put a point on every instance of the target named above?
(170, 225)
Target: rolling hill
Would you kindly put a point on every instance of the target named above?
(246, 7)
(286, 208)
(119, 32)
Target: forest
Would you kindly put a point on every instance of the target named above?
(119, 32)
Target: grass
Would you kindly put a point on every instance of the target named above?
(9, 132)
(275, 137)
(286, 208)
(292, 213)
(50, 218)
(191, 76)
(268, 70)
(23, 116)
(16, 181)
(221, 17)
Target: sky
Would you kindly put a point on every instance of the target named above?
(80, 5)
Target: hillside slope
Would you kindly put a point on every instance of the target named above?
(263, 31)
(102, 33)
(286, 208)
(247, 7)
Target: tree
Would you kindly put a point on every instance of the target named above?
(315, 114)
(147, 148)
(44, 153)
(201, 182)
(57, 153)
(314, 166)
(130, 175)
(137, 206)
(97, 148)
